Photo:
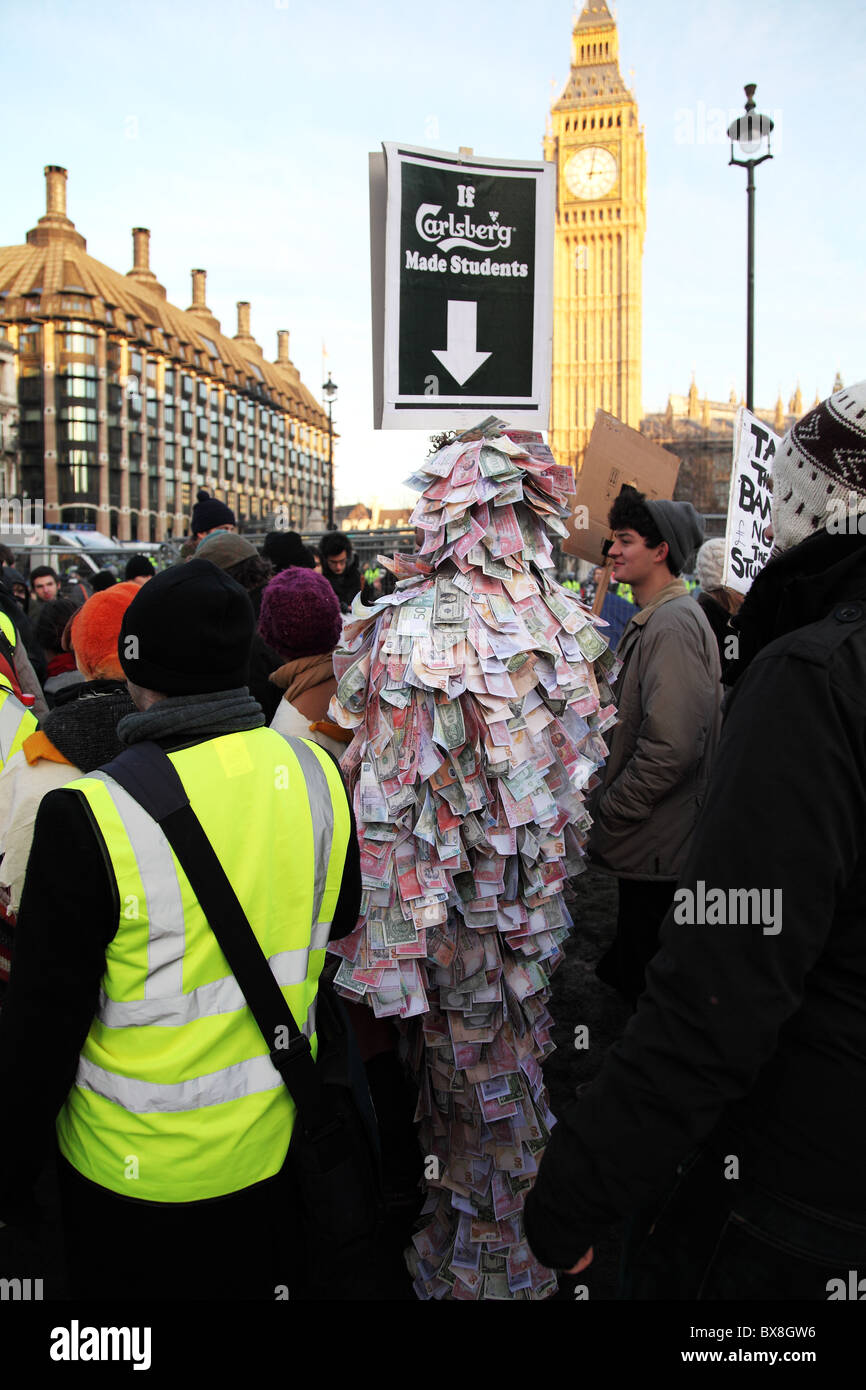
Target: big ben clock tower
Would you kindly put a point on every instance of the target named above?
(598, 147)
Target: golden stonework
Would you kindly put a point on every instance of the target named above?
(598, 147)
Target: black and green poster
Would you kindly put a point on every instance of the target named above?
(467, 290)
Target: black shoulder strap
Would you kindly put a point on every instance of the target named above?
(146, 772)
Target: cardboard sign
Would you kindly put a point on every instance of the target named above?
(615, 455)
(462, 288)
(749, 502)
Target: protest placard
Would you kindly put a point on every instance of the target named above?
(615, 455)
(750, 500)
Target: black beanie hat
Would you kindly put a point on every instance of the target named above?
(208, 513)
(188, 632)
(285, 549)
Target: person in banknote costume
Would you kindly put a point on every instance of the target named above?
(669, 697)
(477, 694)
(123, 1021)
(729, 1119)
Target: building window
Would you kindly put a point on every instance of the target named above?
(30, 342)
(78, 478)
(80, 387)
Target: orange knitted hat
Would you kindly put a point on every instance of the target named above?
(95, 631)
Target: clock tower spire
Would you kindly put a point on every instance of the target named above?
(598, 147)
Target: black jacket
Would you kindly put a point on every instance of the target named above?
(753, 1040)
(347, 584)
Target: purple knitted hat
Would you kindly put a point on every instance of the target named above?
(300, 614)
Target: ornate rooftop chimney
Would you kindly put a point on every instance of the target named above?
(199, 283)
(54, 225)
(141, 270)
(243, 335)
(199, 301)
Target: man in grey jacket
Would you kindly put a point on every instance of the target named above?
(668, 697)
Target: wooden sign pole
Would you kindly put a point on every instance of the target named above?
(601, 591)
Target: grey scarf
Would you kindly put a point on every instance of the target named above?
(194, 717)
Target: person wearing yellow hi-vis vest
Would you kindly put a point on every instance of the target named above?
(173, 1122)
(16, 721)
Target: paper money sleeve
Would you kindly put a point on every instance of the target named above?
(479, 694)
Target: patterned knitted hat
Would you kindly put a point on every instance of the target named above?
(820, 462)
(710, 564)
(300, 614)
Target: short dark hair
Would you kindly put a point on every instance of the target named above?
(52, 621)
(252, 573)
(41, 571)
(103, 580)
(630, 513)
(139, 567)
(6, 556)
(333, 543)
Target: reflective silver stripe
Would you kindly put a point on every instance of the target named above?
(319, 939)
(10, 718)
(150, 1097)
(322, 810)
(215, 1088)
(218, 997)
(166, 932)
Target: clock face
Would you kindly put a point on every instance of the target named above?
(591, 173)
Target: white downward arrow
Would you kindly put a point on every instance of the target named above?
(460, 358)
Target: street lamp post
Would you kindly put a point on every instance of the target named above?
(329, 391)
(749, 133)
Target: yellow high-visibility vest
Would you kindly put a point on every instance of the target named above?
(16, 722)
(176, 1098)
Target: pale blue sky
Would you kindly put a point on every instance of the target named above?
(239, 132)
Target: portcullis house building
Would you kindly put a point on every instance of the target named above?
(128, 404)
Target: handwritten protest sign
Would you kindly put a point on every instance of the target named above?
(750, 500)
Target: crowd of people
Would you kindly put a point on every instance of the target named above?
(724, 1125)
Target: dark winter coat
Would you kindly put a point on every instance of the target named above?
(719, 620)
(751, 1039)
(347, 584)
